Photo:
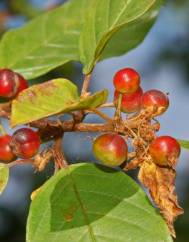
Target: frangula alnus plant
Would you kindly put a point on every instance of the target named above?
(84, 201)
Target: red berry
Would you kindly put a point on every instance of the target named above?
(11, 83)
(23, 84)
(25, 143)
(126, 80)
(156, 101)
(110, 149)
(130, 102)
(165, 150)
(8, 84)
(6, 154)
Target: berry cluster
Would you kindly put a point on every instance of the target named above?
(111, 149)
(11, 83)
(24, 143)
(155, 156)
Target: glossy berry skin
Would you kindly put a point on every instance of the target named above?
(126, 80)
(130, 102)
(110, 149)
(23, 84)
(6, 154)
(8, 84)
(11, 83)
(165, 151)
(25, 143)
(156, 101)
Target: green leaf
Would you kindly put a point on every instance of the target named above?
(85, 31)
(132, 34)
(46, 42)
(184, 144)
(106, 19)
(85, 203)
(50, 98)
(4, 176)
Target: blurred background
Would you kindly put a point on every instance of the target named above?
(163, 61)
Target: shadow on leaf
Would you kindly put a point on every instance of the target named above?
(85, 195)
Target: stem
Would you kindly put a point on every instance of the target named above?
(100, 114)
(133, 164)
(131, 155)
(107, 105)
(2, 130)
(5, 110)
(52, 130)
(130, 130)
(86, 84)
(117, 115)
(59, 154)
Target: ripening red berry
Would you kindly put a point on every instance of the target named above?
(25, 143)
(156, 101)
(130, 102)
(6, 154)
(165, 151)
(23, 84)
(11, 83)
(126, 80)
(8, 85)
(110, 149)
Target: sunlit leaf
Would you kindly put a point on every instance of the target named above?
(4, 176)
(85, 203)
(184, 144)
(85, 31)
(50, 98)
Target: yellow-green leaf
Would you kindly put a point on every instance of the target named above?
(184, 144)
(51, 98)
(4, 176)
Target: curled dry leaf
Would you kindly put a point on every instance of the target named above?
(160, 182)
(42, 159)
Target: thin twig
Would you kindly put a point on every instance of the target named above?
(131, 155)
(59, 154)
(107, 105)
(5, 110)
(133, 164)
(86, 84)
(42, 159)
(117, 115)
(2, 130)
(100, 114)
(130, 130)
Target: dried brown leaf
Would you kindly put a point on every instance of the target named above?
(161, 184)
(42, 159)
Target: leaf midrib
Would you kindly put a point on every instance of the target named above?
(113, 29)
(84, 212)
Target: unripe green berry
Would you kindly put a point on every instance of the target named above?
(111, 149)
